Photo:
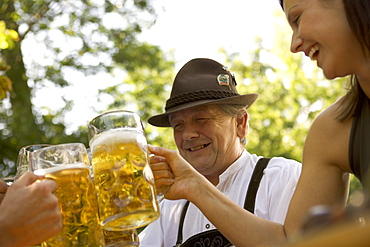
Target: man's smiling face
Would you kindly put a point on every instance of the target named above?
(206, 137)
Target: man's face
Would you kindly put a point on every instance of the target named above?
(207, 138)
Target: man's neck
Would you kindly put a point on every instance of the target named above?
(215, 178)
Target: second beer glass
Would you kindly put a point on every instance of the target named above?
(122, 176)
(68, 165)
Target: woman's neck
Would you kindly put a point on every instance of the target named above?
(365, 84)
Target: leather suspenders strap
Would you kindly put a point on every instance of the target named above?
(250, 198)
(182, 218)
(249, 202)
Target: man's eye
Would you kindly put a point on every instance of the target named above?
(177, 126)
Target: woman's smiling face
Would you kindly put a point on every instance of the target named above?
(321, 30)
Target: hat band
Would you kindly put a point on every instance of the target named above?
(195, 96)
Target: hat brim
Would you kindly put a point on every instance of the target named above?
(162, 120)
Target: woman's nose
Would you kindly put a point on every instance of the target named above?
(296, 43)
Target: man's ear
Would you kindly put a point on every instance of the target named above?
(242, 125)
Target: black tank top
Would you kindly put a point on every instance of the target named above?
(213, 237)
(359, 145)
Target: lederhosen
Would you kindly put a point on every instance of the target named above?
(213, 238)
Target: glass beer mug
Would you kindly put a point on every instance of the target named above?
(122, 176)
(126, 238)
(25, 158)
(68, 165)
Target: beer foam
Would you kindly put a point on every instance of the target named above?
(121, 135)
(56, 168)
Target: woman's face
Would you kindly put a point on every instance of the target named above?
(321, 30)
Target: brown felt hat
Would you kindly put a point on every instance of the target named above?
(201, 81)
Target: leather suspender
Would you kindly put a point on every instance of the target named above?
(250, 198)
(182, 218)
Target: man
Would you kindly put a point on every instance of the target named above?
(29, 211)
(209, 122)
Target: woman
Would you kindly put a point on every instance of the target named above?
(335, 33)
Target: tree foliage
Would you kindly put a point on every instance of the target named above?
(76, 36)
(71, 35)
(8, 37)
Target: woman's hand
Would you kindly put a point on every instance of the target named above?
(174, 176)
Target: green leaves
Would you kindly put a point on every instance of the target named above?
(70, 35)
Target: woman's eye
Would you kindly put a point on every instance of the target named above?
(296, 20)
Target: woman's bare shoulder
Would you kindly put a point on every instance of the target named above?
(329, 137)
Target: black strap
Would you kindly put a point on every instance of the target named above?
(249, 203)
(182, 218)
(250, 199)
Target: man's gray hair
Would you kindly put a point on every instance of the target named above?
(234, 111)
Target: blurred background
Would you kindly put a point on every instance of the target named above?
(63, 62)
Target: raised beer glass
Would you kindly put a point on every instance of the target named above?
(25, 158)
(122, 176)
(125, 238)
(68, 165)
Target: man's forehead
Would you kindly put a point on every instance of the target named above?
(194, 110)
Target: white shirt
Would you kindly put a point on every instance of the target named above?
(272, 201)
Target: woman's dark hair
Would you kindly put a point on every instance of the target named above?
(281, 3)
(358, 15)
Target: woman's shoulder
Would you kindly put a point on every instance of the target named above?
(329, 118)
(329, 137)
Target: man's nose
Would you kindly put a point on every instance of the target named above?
(190, 132)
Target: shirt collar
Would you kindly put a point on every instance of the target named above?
(227, 177)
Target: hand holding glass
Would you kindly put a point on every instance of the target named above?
(68, 165)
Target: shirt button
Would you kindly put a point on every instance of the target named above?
(208, 226)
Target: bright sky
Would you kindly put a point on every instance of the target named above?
(198, 28)
(191, 29)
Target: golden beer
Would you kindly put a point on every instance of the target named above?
(127, 238)
(78, 205)
(123, 179)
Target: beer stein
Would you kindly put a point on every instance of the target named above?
(122, 176)
(25, 158)
(126, 238)
(68, 165)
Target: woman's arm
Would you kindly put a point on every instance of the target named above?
(325, 169)
(238, 225)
